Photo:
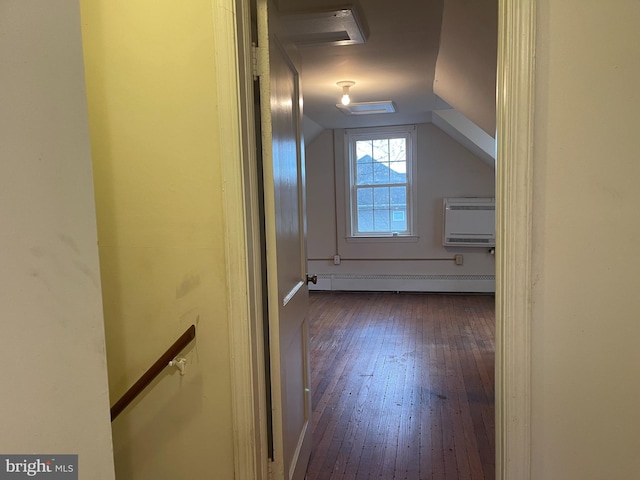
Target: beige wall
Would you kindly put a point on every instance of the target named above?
(53, 371)
(445, 169)
(151, 78)
(586, 307)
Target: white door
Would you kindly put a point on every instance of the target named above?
(283, 166)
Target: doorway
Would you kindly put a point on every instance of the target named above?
(517, 39)
(381, 264)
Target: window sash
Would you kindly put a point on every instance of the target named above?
(395, 224)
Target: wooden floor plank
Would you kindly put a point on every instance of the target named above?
(402, 386)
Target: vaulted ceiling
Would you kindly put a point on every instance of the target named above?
(424, 55)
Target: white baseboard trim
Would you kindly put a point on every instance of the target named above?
(407, 283)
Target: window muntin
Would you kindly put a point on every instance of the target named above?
(380, 172)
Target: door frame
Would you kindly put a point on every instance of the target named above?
(231, 23)
(514, 202)
(515, 104)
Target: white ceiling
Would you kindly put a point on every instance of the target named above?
(397, 62)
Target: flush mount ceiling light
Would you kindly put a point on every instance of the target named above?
(346, 85)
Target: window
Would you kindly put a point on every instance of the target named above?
(381, 168)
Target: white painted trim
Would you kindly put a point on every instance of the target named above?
(237, 150)
(254, 243)
(515, 104)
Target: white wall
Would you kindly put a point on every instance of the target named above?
(53, 370)
(586, 307)
(445, 169)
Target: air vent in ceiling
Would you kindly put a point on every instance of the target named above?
(343, 26)
(367, 108)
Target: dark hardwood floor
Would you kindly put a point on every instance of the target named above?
(403, 386)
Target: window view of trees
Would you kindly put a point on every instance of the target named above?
(381, 187)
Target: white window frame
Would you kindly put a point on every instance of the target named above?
(372, 133)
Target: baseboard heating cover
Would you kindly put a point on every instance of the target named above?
(406, 283)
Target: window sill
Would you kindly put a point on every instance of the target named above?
(385, 239)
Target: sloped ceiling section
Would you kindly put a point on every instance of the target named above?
(466, 133)
(396, 62)
(465, 75)
(310, 130)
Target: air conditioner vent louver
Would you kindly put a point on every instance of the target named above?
(454, 240)
(469, 222)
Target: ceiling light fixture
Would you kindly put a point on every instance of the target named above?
(345, 84)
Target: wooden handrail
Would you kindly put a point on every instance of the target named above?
(155, 369)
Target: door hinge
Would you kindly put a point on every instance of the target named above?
(257, 61)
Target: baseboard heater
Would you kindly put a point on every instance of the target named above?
(469, 222)
(406, 283)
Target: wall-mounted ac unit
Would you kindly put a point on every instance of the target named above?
(469, 222)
